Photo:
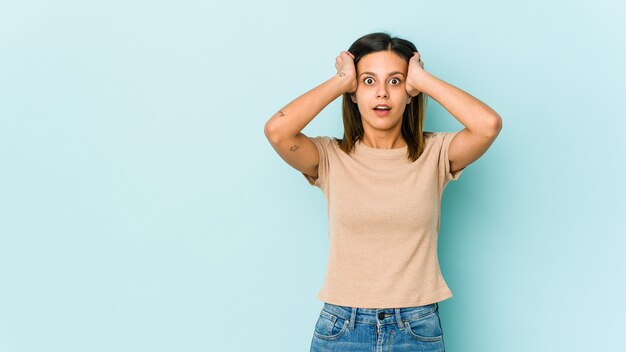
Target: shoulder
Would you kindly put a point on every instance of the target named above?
(436, 143)
(325, 141)
(326, 145)
(438, 138)
(432, 138)
(434, 134)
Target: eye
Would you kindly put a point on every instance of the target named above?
(397, 81)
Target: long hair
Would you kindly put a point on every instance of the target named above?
(413, 116)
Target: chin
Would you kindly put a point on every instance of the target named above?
(383, 125)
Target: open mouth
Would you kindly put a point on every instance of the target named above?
(382, 110)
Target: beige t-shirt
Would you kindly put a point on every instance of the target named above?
(383, 218)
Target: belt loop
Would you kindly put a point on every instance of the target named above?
(352, 318)
(437, 305)
(399, 319)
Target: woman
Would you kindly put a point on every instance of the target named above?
(383, 183)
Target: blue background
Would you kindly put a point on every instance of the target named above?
(143, 209)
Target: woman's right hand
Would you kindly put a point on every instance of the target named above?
(346, 70)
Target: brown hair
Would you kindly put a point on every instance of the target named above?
(413, 116)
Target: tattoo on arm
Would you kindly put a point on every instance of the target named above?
(341, 74)
(294, 148)
(281, 113)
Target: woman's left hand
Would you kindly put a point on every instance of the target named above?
(415, 75)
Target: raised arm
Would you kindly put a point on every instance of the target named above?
(482, 124)
(283, 129)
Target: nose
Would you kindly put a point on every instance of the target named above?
(382, 91)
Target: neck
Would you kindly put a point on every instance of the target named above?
(384, 142)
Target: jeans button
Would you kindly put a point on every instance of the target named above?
(381, 315)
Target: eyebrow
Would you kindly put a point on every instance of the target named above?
(390, 74)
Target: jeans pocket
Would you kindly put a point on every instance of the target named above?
(425, 328)
(330, 326)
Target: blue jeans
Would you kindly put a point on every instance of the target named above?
(342, 328)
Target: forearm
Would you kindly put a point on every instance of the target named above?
(292, 118)
(472, 113)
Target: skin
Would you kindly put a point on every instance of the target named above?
(481, 123)
(381, 78)
(382, 127)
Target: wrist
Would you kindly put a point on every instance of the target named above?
(346, 81)
(421, 81)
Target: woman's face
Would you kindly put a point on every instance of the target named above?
(381, 78)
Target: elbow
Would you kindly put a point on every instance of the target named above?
(498, 123)
(270, 131)
(267, 130)
(495, 126)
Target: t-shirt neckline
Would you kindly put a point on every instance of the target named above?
(364, 149)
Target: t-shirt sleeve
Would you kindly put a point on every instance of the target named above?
(444, 161)
(322, 143)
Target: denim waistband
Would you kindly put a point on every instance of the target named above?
(373, 316)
